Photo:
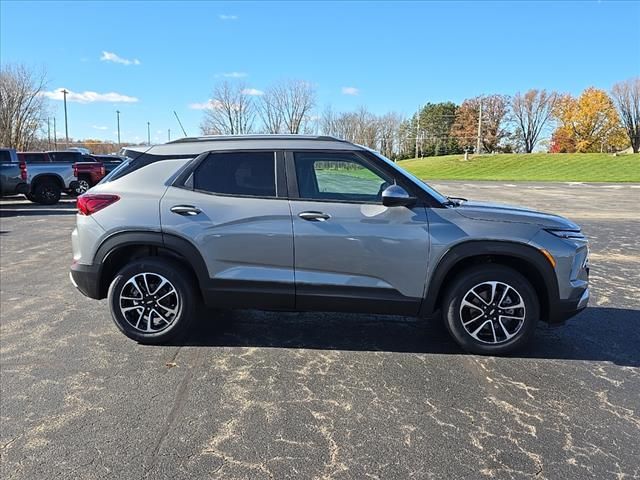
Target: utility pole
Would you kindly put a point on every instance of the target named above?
(479, 141)
(180, 123)
(118, 116)
(168, 135)
(55, 135)
(148, 133)
(418, 130)
(48, 133)
(66, 126)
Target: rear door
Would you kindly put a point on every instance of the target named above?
(233, 208)
(351, 252)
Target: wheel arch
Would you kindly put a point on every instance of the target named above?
(120, 248)
(47, 176)
(525, 259)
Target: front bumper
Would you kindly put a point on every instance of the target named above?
(569, 308)
(86, 278)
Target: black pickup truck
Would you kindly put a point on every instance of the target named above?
(13, 173)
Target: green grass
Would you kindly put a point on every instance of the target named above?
(546, 167)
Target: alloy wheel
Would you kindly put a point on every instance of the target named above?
(149, 302)
(492, 312)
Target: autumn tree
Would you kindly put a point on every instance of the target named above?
(590, 121)
(531, 112)
(626, 96)
(23, 108)
(492, 131)
(230, 111)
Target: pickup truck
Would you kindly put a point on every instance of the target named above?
(88, 173)
(109, 161)
(13, 173)
(50, 174)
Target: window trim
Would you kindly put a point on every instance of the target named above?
(279, 174)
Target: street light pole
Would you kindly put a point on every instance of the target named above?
(66, 126)
(148, 133)
(118, 116)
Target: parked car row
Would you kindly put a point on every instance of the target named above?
(44, 176)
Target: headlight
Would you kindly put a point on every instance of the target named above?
(577, 234)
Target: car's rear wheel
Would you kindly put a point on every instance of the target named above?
(46, 192)
(83, 186)
(152, 300)
(491, 310)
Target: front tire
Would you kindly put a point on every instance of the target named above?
(152, 300)
(491, 310)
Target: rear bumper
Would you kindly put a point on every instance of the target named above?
(86, 278)
(565, 309)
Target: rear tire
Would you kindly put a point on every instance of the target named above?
(46, 192)
(491, 310)
(153, 300)
(83, 185)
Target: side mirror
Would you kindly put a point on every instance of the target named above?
(396, 196)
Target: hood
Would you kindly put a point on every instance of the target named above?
(506, 213)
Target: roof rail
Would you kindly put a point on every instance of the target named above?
(292, 136)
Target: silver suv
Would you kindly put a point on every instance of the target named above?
(315, 223)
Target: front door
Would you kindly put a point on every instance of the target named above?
(235, 212)
(351, 252)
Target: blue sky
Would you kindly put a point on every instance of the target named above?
(165, 56)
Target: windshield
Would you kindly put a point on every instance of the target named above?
(430, 190)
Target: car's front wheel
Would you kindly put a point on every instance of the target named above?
(152, 300)
(491, 310)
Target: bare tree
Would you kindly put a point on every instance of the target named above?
(230, 112)
(531, 111)
(293, 101)
(389, 127)
(23, 108)
(626, 95)
(270, 111)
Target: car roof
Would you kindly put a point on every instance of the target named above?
(198, 145)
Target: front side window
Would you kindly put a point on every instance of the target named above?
(238, 173)
(338, 177)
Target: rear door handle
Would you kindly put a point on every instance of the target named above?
(186, 210)
(314, 216)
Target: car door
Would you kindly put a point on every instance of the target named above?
(233, 208)
(351, 252)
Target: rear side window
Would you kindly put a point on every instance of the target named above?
(34, 157)
(250, 174)
(69, 157)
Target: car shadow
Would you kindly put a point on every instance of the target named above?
(597, 334)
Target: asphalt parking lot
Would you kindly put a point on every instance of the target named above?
(281, 395)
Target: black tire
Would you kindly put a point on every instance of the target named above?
(186, 302)
(46, 192)
(486, 342)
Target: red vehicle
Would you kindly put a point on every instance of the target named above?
(88, 174)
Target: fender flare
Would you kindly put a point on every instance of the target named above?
(177, 244)
(478, 248)
(45, 175)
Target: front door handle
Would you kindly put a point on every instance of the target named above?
(186, 210)
(314, 216)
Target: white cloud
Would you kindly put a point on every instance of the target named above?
(232, 75)
(99, 127)
(227, 17)
(89, 97)
(350, 91)
(112, 57)
(253, 92)
(208, 105)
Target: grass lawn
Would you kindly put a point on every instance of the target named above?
(546, 167)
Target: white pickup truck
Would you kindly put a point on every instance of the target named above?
(50, 174)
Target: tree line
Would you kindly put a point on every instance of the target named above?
(594, 121)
